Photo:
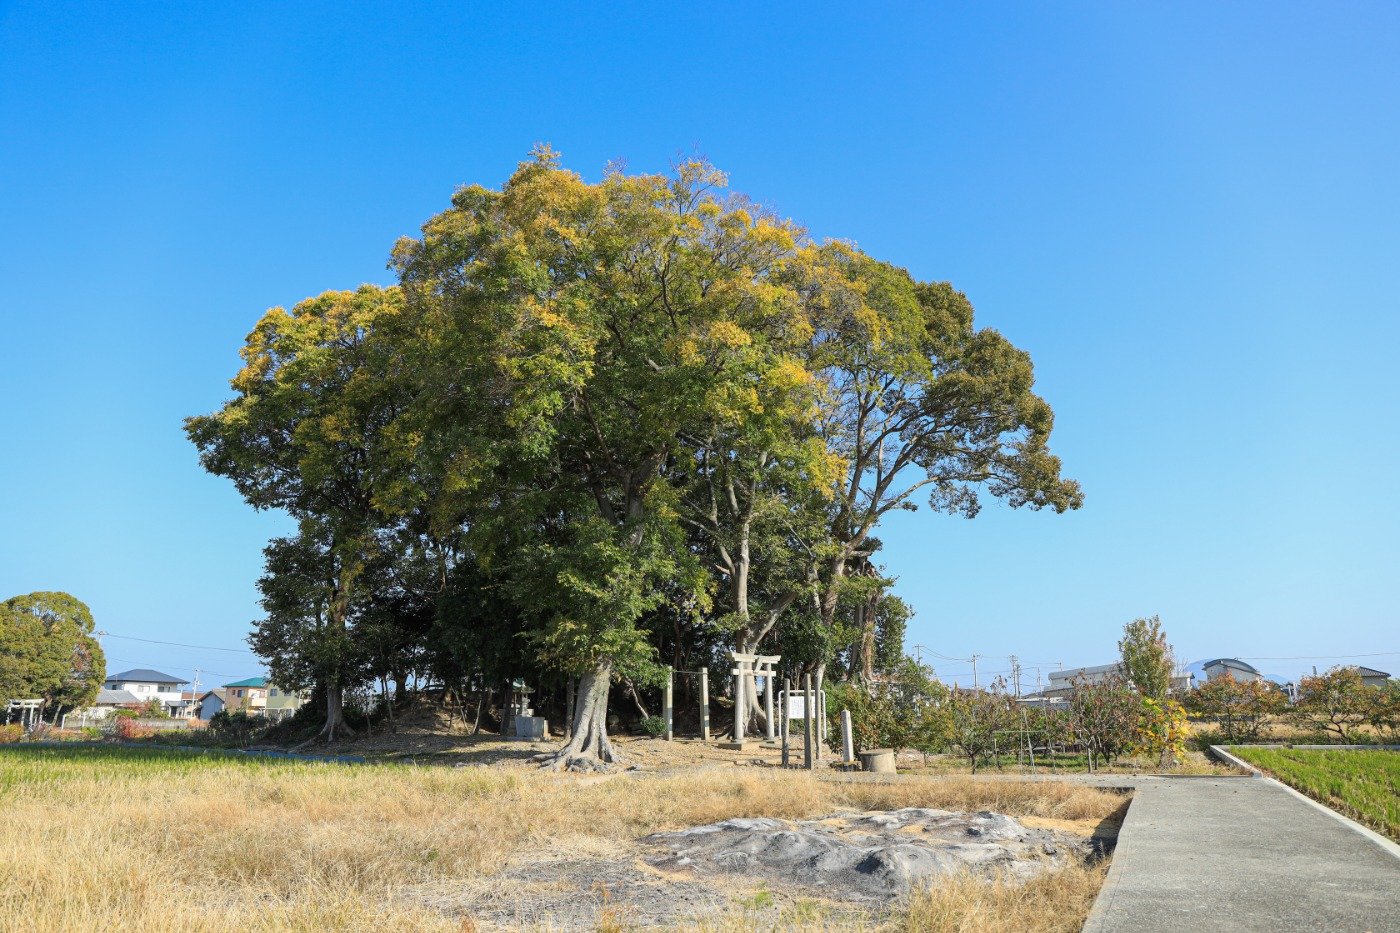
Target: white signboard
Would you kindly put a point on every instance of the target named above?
(798, 709)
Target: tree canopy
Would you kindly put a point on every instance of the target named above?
(48, 652)
(641, 419)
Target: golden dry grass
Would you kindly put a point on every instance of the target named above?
(155, 842)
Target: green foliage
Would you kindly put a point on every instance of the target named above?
(234, 728)
(598, 420)
(908, 709)
(1147, 658)
(654, 726)
(47, 650)
(11, 733)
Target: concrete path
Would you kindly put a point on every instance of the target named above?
(1242, 853)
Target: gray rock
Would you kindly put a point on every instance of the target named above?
(875, 856)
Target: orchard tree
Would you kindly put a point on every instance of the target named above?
(976, 721)
(1337, 702)
(1104, 717)
(1240, 708)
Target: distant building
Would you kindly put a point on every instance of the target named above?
(1371, 677)
(259, 697)
(108, 700)
(1236, 668)
(211, 702)
(1061, 682)
(146, 685)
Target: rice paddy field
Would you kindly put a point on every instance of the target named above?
(1363, 784)
(115, 839)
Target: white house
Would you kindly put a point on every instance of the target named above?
(146, 685)
(1062, 681)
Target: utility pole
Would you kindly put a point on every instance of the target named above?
(974, 671)
(919, 654)
(194, 698)
(1015, 676)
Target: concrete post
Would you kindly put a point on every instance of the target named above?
(787, 718)
(819, 714)
(740, 714)
(666, 706)
(847, 749)
(807, 721)
(705, 704)
(768, 701)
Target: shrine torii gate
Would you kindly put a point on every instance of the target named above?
(749, 667)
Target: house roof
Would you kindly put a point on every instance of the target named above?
(1370, 672)
(250, 682)
(1074, 672)
(144, 675)
(115, 697)
(1235, 663)
(216, 692)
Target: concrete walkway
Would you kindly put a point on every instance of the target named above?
(1242, 853)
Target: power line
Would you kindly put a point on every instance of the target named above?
(176, 644)
(1322, 657)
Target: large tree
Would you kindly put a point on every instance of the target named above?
(1148, 661)
(310, 431)
(917, 402)
(48, 652)
(582, 333)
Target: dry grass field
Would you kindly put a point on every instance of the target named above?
(118, 840)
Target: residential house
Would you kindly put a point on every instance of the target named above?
(108, 700)
(260, 697)
(211, 702)
(1372, 677)
(1236, 668)
(146, 685)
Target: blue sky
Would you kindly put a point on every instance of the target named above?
(1188, 215)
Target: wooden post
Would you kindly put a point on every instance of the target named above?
(787, 717)
(847, 750)
(807, 722)
(768, 701)
(666, 707)
(705, 704)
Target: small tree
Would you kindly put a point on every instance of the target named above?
(1104, 717)
(974, 719)
(1239, 708)
(1337, 702)
(1147, 658)
(1162, 730)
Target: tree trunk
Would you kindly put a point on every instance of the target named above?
(588, 749)
(335, 715)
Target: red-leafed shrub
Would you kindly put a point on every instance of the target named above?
(128, 729)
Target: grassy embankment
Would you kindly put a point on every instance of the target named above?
(1365, 785)
(117, 839)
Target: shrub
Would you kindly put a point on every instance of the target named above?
(237, 727)
(126, 729)
(11, 733)
(653, 726)
(1241, 708)
(975, 719)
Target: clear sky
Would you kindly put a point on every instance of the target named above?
(1188, 215)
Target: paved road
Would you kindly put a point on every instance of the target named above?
(1241, 854)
